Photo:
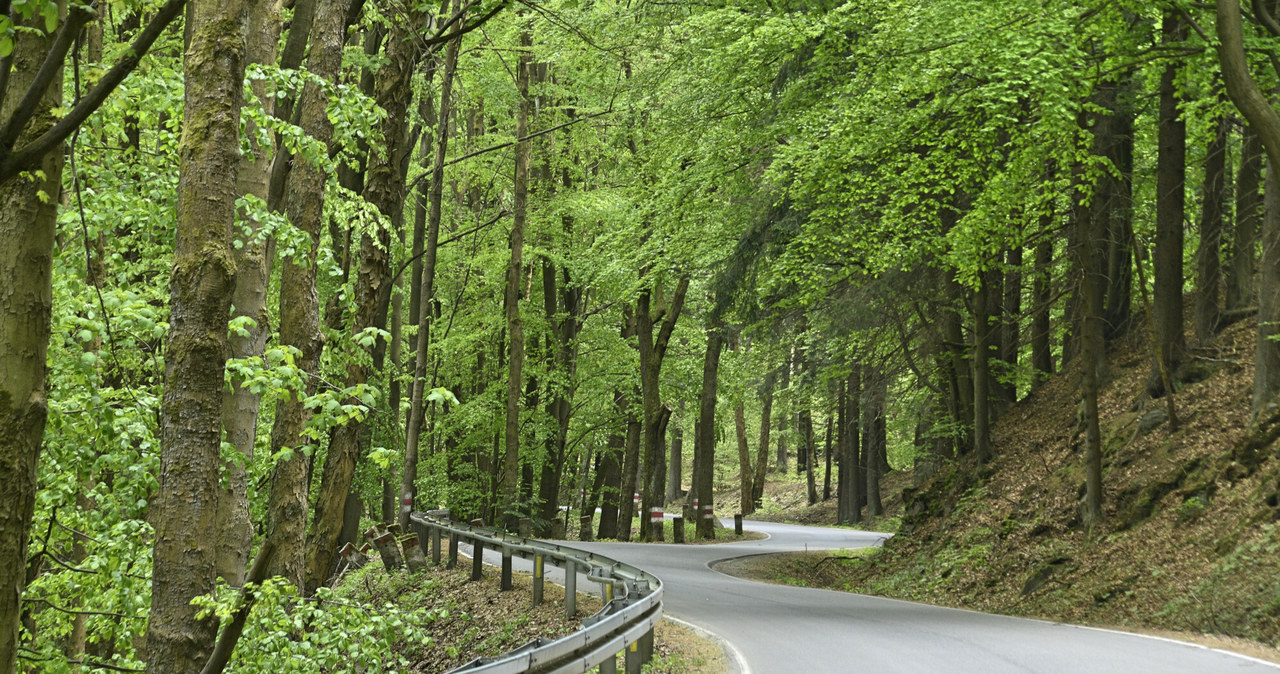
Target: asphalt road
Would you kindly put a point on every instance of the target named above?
(775, 628)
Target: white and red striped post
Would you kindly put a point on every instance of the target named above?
(707, 513)
(406, 504)
(655, 523)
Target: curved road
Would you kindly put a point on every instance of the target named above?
(775, 628)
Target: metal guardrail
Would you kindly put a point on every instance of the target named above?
(632, 600)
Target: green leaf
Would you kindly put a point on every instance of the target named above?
(6, 47)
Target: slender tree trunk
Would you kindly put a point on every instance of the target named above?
(507, 493)
(1041, 355)
(300, 305)
(826, 452)
(1208, 308)
(849, 506)
(1010, 318)
(1170, 183)
(1113, 139)
(27, 226)
(630, 476)
(705, 443)
(611, 469)
(385, 189)
(762, 450)
(425, 290)
(873, 441)
(1265, 121)
(253, 269)
(1092, 354)
(185, 509)
(981, 371)
(653, 349)
(780, 462)
(744, 457)
(675, 468)
(1242, 290)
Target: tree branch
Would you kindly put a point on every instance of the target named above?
(673, 314)
(221, 654)
(52, 65)
(31, 153)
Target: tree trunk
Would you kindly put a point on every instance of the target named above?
(1242, 266)
(611, 471)
(653, 349)
(630, 476)
(300, 306)
(425, 290)
(507, 493)
(826, 452)
(675, 467)
(185, 509)
(849, 487)
(1170, 183)
(1092, 354)
(1113, 139)
(780, 461)
(1266, 122)
(27, 226)
(384, 188)
(873, 440)
(1041, 354)
(704, 446)
(253, 270)
(1010, 318)
(744, 457)
(981, 372)
(1208, 308)
(806, 429)
(762, 450)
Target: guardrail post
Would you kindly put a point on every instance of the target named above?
(737, 523)
(677, 529)
(646, 646)
(570, 588)
(435, 546)
(633, 661)
(453, 550)
(537, 579)
(506, 570)
(477, 559)
(609, 665)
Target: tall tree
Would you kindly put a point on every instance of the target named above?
(186, 504)
(663, 315)
(1170, 207)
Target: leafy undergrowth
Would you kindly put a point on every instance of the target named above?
(442, 620)
(1190, 540)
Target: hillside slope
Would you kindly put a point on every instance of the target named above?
(1190, 541)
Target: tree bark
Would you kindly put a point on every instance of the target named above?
(425, 290)
(1092, 354)
(300, 305)
(253, 270)
(849, 486)
(1208, 308)
(1242, 266)
(704, 446)
(185, 509)
(762, 450)
(611, 470)
(1041, 354)
(507, 485)
(653, 349)
(1170, 207)
(27, 225)
(1266, 122)
(385, 189)
(744, 457)
(873, 441)
(981, 371)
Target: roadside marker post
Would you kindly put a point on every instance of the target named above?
(737, 524)
(655, 523)
(537, 579)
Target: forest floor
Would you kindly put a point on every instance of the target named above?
(1190, 540)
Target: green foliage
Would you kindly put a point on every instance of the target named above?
(326, 632)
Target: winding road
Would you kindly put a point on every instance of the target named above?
(778, 629)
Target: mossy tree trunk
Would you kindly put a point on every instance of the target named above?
(704, 446)
(253, 269)
(27, 222)
(300, 304)
(185, 509)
